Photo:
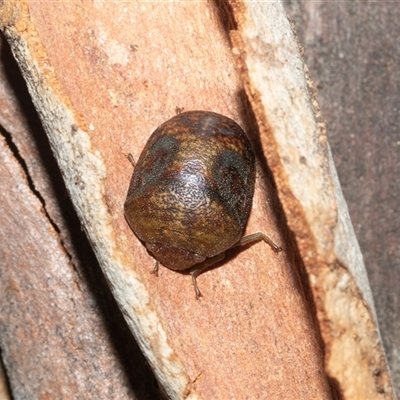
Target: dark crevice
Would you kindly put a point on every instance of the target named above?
(14, 149)
(6, 388)
(225, 15)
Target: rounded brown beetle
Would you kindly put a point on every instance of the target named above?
(191, 191)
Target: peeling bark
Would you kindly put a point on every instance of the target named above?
(268, 324)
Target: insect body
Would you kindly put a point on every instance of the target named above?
(191, 191)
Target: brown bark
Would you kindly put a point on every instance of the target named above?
(103, 76)
(61, 332)
(352, 52)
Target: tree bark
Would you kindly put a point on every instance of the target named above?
(102, 77)
(351, 50)
(61, 332)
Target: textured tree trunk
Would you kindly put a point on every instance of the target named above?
(103, 76)
(352, 52)
(61, 332)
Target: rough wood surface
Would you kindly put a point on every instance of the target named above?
(352, 52)
(284, 103)
(59, 325)
(101, 85)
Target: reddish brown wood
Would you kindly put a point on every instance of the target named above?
(61, 333)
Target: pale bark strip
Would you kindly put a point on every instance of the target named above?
(294, 137)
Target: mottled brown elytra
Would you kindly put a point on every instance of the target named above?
(191, 192)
